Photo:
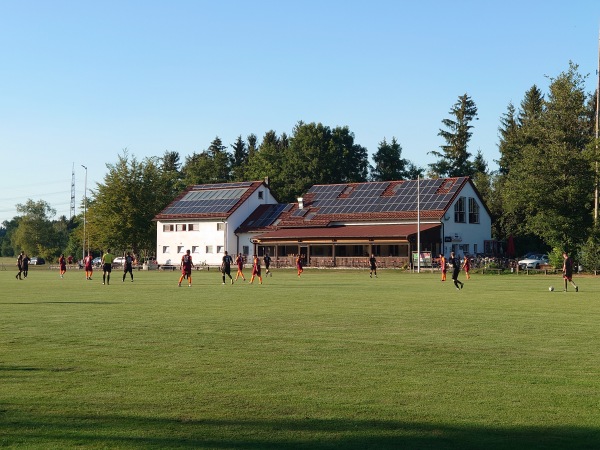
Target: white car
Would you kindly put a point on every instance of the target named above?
(119, 261)
(533, 262)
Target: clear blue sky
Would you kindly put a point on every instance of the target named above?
(81, 80)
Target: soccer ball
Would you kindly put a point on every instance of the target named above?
(551, 288)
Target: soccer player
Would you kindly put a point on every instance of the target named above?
(299, 264)
(62, 262)
(186, 268)
(107, 260)
(26, 260)
(226, 266)
(467, 266)
(454, 261)
(267, 260)
(568, 271)
(256, 270)
(89, 266)
(240, 267)
(128, 266)
(443, 266)
(373, 264)
(20, 266)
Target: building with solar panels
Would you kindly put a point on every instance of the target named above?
(203, 219)
(339, 225)
(335, 225)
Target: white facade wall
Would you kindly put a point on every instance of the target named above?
(206, 239)
(465, 237)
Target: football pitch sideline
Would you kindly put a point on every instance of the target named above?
(333, 359)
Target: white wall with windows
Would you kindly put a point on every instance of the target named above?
(466, 224)
(207, 239)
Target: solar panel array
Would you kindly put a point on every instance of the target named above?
(367, 197)
(208, 200)
(223, 185)
(270, 215)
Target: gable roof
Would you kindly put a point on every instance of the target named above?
(205, 201)
(327, 205)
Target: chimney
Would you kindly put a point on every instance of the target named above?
(267, 181)
(300, 203)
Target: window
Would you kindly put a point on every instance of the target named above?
(245, 250)
(166, 249)
(168, 227)
(464, 248)
(219, 249)
(181, 227)
(195, 249)
(193, 227)
(473, 211)
(220, 226)
(209, 249)
(261, 195)
(180, 249)
(459, 210)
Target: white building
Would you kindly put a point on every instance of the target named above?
(203, 219)
(331, 225)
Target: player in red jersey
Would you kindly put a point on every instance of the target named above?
(256, 270)
(186, 268)
(467, 266)
(89, 266)
(62, 262)
(443, 266)
(240, 265)
(568, 271)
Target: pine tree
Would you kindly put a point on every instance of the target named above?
(454, 157)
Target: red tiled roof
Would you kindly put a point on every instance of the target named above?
(347, 232)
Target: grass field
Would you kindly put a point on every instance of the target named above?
(332, 360)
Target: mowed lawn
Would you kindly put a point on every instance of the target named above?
(333, 359)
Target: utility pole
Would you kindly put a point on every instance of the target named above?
(73, 192)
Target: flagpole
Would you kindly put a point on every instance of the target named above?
(418, 224)
(596, 199)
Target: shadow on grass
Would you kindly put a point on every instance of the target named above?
(62, 301)
(132, 432)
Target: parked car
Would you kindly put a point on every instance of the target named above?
(533, 262)
(119, 261)
(96, 261)
(37, 261)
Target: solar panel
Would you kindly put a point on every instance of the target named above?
(270, 215)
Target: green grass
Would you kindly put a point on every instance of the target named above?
(332, 360)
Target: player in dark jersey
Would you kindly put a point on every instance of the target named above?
(373, 266)
(568, 271)
(128, 266)
(226, 266)
(454, 262)
(186, 268)
(20, 266)
(267, 261)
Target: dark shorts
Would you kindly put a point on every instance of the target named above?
(107, 267)
(226, 270)
(455, 273)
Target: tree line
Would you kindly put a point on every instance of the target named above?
(542, 192)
